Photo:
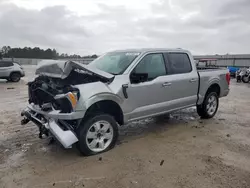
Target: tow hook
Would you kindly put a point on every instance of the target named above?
(43, 131)
(37, 120)
(24, 121)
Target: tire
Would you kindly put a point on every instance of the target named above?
(15, 77)
(93, 141)
(206, 112)
(245, 79)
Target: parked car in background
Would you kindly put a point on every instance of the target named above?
(243, 75)
(246, 76)
(11, 71)
(233, 71)
(85, 104)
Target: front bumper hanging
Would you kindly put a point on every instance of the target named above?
(46, 124)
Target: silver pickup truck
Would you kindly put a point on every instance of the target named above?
(85, 104)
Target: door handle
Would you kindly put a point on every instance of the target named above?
(193, 80)
(166, 84)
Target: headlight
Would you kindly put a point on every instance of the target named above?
(66, 102)
(72, 97)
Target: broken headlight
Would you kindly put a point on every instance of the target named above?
(66, 102)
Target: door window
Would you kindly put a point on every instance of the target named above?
(152, 65)
(178, 63)
(6, 64)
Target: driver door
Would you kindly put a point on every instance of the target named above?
(147, 97)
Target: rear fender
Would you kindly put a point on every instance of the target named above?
(203, 90)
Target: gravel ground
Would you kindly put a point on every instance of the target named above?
(179, 152)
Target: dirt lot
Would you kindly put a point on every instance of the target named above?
(183, 151)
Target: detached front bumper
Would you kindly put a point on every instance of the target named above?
(66, 138)
(49, 121)
(56, 114)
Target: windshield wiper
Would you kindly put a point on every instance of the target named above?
(113, 73)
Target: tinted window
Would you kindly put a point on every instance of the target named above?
(179, 63)
(153, 65)
(6, 64)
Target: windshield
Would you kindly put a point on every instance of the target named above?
(114, 62)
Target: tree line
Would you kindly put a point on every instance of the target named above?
(36, 53)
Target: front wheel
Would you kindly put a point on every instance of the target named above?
(98, 134)
(209, 106)
(245, 79)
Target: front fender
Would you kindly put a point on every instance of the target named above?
(95, 92)
(103, 97)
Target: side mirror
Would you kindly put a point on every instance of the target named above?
(136, 78)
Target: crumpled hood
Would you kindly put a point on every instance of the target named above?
(61, 69)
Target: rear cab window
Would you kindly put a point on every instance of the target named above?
(178, 62)
(6, 64)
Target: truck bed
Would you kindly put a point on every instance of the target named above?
(209, 76)
(200, 69)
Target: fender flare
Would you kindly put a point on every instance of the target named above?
(103, 97)
(14, 72)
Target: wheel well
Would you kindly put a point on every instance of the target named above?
(214, 88)
(108, 107)
(15, 72)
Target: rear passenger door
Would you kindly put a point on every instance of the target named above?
(183, 78)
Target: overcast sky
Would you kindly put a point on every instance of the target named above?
(96, 26)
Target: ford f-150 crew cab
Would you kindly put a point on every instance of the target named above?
(85, 104)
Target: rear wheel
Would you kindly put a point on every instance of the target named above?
(245, 79)
(98, 134)
(209, 107)
(15, 77)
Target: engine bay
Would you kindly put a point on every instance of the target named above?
(44, 88)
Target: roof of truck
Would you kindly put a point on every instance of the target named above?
(144, 50)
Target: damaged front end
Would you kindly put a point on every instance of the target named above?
(54, 98)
